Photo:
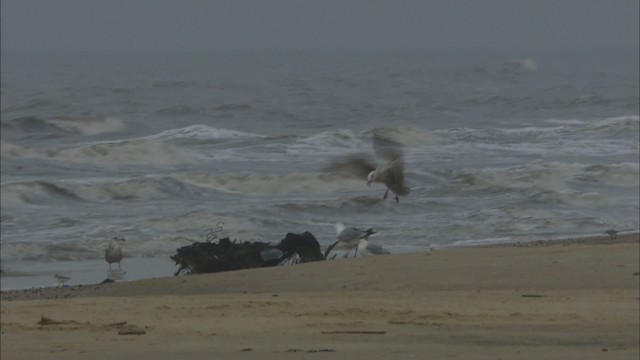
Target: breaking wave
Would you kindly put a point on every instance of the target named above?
(180, 110)
(201, 132)
(89, 126)
(141, 188)
(40, 104)
(62, 125)
(270, 184)
(35, 192)
(598, 137)
(337, 142)
(32, 125)
(128, 152)
(555, 182)
(555, 175)
(177, 186)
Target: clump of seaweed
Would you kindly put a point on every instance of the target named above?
(227, 255)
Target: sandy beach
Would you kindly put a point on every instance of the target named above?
(544, 300)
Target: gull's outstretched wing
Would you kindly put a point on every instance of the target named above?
(358, 166)
(385, 147)
(392, 172)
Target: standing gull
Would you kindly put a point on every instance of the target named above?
(349, 237)
(390, 170)
(113, 253)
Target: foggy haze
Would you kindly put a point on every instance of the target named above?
(80, 25)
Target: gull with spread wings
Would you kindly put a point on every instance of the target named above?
(390, 171)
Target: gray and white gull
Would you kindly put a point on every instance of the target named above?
(349, 237)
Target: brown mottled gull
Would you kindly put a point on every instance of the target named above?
(113, 253)
(389, 172)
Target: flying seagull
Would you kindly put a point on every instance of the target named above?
(113, 253)
(390, 171)
(350, 237)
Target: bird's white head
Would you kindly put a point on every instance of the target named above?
(371, 177)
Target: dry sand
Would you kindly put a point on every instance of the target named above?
(562, 300)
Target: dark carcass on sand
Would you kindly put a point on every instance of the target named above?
(226, 255)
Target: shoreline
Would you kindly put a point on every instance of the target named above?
(90, 272)
(568, 300)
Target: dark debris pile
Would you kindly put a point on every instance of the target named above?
(226, 255)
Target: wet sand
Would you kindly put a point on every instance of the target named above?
(563, 300)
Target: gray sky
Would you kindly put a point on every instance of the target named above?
(318, 24)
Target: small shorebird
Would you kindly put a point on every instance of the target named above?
(113, 253)
(61, 279)
(349, 237)
(612, 234)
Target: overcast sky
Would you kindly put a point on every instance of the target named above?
(203, 25)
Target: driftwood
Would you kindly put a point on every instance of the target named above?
(226, 255)
(131, 330)
(49, 321)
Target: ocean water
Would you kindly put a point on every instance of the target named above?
(160, 148)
